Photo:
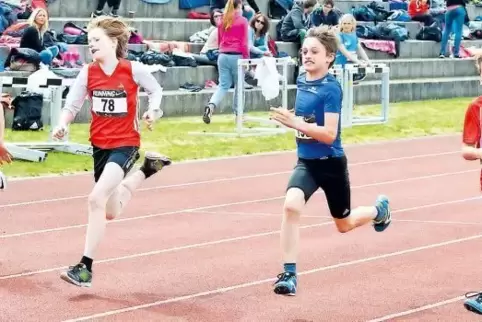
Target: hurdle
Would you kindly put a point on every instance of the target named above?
(242, 131)
(37, 151)
(348, 97)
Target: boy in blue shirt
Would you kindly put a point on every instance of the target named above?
(321, 158)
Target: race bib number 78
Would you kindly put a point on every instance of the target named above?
(111, 103)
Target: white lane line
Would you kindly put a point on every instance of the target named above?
(261, 154)
(227, 179)
(185, 210)
(420, 309)
(215, 242)
(163, 251)
(268, 280)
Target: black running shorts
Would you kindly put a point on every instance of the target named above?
(125, 157)
(331, 175)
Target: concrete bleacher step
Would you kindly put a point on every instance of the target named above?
(182, 29)
(409, 49)
(69, 8)
(183, 103)
(176, 76)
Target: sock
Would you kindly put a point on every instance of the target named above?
(290, 267)
(88, 262)
(379, 212)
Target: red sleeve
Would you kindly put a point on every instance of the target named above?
(471, 131)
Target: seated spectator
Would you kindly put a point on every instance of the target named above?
(36, 36)
(418, 10)
(324, 15)
(114, 4)
(349, 46)
(294, 26)
(210, 51)
(258, 36)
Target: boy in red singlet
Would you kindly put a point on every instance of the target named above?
(471, 150)
(111, 83)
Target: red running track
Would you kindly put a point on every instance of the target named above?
(200, 242)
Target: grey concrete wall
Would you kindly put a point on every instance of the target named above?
(182, 29)
(83, 8)
(176, 103)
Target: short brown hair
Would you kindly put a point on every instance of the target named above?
(265, 28)
(309, 4)
(327, 38)
(114, 28)
(329, 3)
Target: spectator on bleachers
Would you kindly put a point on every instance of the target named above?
(324, 15)
(37, 38)
(209, 53)
(419, 10)
(294, 25)
(113, 4)
(249, 7)
(349, 47)
(454, 22)
(258, 36)
(233, 45)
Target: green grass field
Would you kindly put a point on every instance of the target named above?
(170, 136)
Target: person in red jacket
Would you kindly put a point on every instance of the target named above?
(418, 10)
(112, 84)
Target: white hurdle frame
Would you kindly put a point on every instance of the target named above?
(348, 97)
(36, 151)
(240, 130)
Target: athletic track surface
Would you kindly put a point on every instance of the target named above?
(200, 242)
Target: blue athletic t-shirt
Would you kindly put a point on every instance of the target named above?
(313, 100)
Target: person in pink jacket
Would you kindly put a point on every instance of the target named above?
(233, 45)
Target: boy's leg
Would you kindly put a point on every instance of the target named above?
(153, 162)
(336, 185)
(110, 168)
(300, 188)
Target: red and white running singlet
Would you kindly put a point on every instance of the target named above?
(114, 103)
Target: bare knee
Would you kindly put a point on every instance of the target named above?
(96, 201)
(294, 202)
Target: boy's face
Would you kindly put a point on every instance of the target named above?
(315, 56)
(327, 9)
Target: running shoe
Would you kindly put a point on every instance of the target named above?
(384, 214)
(286, 284)
(154, 162)
(474, 302)
(78, 275)
(208, 113)
(3, 182)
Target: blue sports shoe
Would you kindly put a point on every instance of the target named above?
(384, 214)
(473, 302)
(286, 284)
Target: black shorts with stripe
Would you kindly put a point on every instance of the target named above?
(331, 175)
(125, 157)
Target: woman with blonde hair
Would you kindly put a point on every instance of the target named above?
(112, 84)
(35, 36)
(233, 45)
